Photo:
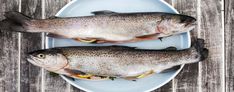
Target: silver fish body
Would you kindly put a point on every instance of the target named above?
(114, 61)
(123, 27)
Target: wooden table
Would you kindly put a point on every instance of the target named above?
(212, 75)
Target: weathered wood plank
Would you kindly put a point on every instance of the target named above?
(212, 78)
(56, 83)
(185, 81)
(229, 44)
(165, 88)
(169, 1)
(8, 51)
(52, 7)
(30, 75)
(74, 89)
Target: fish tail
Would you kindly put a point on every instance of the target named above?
(15, 21)
(17, 17)
(199, 46)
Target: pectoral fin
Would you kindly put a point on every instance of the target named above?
(53, 74)
(146, 37)
(160, 38)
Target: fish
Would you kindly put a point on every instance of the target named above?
(105, 26)
(103, 62)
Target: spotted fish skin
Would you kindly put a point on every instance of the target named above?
(123, 27)
(114, 60)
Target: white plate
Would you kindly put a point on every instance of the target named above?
(85, 7)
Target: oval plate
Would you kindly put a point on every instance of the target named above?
(85, 7)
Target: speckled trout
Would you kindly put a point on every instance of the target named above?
(113, 61)
(106, 26)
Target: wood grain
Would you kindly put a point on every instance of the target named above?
(211, 30)
(165, 88)
(8, 51)
(229, 44)
(30, 75)
(54, 84)
(184, 81)
(169, 1)
(74, 89)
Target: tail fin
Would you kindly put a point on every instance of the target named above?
(17, 17)
(14, 21)
(199, 45)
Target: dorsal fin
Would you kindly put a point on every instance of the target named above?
(104, 12)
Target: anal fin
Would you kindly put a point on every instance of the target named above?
(134, 78)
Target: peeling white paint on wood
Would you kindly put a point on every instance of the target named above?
(229, 45)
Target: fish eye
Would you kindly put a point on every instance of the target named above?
(41, 55)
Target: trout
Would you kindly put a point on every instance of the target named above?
(90, 63)
(105, 26)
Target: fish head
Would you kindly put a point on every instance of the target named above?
(170, 25)
(50, 59)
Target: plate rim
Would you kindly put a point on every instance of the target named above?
(151, 89)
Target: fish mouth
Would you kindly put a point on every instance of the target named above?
(188, 21)
(31, 59)
(191, 23)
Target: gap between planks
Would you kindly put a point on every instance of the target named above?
(223, 49)
(199, 36)
(19, 53)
